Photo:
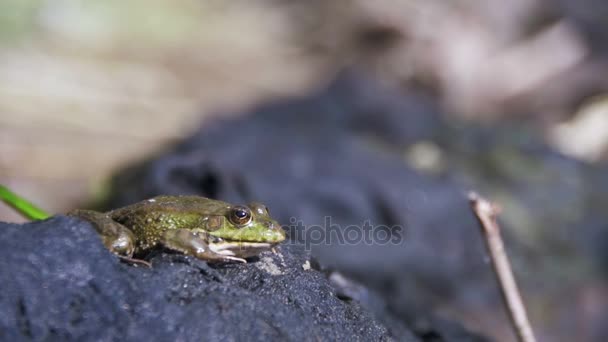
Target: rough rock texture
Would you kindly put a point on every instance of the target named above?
(60, 283)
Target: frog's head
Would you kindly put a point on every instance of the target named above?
(244, 231)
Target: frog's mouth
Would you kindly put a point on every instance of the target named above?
(241, 249)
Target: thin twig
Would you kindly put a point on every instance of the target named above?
(486, 213)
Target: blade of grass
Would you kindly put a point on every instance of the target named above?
(21, 205)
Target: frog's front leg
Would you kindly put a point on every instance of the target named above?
(195, 244)
(116, 237)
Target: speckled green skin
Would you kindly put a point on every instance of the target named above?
(189, 224)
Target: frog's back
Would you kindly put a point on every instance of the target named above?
(148, 219)
(179, 204)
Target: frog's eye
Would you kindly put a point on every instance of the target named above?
(240, 216)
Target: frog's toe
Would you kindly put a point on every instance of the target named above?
(135, 261)
(235, 259)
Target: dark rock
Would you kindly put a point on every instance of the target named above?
(60, 283)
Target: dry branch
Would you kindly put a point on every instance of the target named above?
(486, 213)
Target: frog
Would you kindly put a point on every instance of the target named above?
(207, 229)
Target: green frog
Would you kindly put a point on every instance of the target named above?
(204, 228)
(207, 229)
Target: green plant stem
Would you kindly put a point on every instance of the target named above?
(21, 205)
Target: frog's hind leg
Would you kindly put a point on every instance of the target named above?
(188, 242)
(116, 237)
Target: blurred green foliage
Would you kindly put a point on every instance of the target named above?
(17, 18)
(102, 21)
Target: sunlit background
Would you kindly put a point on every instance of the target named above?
(87, 87)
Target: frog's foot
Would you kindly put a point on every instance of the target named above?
(116, 237)
(235, 259)
(135, 261)
(187, 242)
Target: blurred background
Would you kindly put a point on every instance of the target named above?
(88, 88)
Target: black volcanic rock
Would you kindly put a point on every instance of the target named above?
(60, 283)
